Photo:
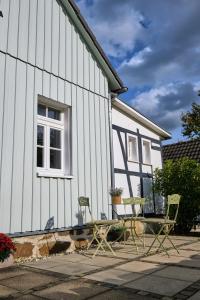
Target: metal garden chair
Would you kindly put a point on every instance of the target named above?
(100, 228)
(137, 204)
(166, 224)
(136, 214)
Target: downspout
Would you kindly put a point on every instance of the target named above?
(111, 141)
(112, 173)
(112, 95)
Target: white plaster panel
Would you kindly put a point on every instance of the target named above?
(135, 183)
(118, 157)
(124, 121)
(146, 169)
(133, 166)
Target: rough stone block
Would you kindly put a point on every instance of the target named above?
(53, 247)
(24, 249)
(81, 243)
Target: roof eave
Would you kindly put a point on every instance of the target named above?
(115, 83)
(141, 118)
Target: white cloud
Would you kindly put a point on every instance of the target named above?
(117, 32)
(155, 45)
(138, 58)
(148, 102)
(165, 104)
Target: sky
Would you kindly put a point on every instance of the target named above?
(155, 48)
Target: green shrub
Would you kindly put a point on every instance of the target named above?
(118, 233)
(181, 177)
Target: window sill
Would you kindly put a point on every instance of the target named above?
(52, 175)
(133, 161)
(147, 164)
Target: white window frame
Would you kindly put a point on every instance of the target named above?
(144, 160)
(130, 159)
(49, 123)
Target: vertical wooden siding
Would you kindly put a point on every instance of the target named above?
(44, 54)
(40, 32)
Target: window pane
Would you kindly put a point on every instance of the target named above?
(55, 138)
(53, 114)
(40, 157)
(132, 149)
(42, 110)
(40, 135)
(147, 152)
(55, 159)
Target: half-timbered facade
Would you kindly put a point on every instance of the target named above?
(137, 152)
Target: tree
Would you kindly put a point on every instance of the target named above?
(191, 122)
(181, 177)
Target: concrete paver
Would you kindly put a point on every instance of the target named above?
(129, 275)
(158, 285)
(6, 291)
(29, 297)
(179, 273)
(138, 266)
(196, 296)
(73, 290)
(193, 263)
(121, 294)
(45, 264)
(114, 276)
(100, 261)
(73, 268)
(164, 259)
(11, 272)
(27, 281)
(184, 253)
(193, 246)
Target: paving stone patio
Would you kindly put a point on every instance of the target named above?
(127, 276)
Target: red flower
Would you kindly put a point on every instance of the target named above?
(6, 246)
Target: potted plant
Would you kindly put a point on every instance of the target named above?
(7, 248)
(116, 195)
(118, 233)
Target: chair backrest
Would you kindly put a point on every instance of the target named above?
(135, 201)
(174, 200)
(83, 203)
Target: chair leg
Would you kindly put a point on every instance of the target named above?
(99, 246)
(94, 238)
(167, 232)
(169, 239)
(133, 237)
(103, 241)
(140, 238)
(157, 239)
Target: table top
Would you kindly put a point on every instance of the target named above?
(103, 222)
(158, 221)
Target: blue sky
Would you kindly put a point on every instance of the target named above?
(155, 47)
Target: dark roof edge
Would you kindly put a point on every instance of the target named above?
(181, 142)
(101, 51)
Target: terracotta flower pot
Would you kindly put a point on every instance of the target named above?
(116, 200)
(7, 263)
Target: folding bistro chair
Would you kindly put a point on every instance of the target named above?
(133, 210)
(166, 224)
(100, 228)
(137, 204)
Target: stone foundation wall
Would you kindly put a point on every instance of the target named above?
(68, 241)
(50, 243)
